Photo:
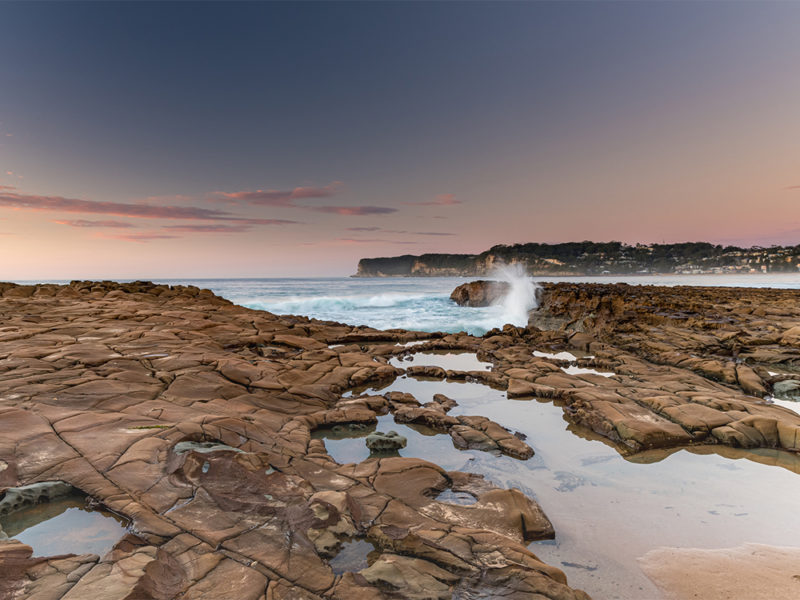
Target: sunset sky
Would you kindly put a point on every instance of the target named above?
(155, 140)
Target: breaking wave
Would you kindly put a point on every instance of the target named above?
(425, 305)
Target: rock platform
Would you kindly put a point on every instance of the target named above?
(689, 365)
(192, 418)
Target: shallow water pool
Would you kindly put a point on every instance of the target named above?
(449, 361)
(609, 509)
(64, 526)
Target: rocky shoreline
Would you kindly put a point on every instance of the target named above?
(691, 364)
(107, 387)
(193, 418)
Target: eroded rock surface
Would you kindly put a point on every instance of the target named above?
(192, 418)
(690, 364)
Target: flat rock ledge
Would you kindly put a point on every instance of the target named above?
(192, 417)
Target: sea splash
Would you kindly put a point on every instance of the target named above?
(521, 296)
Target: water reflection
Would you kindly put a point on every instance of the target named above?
(64, 526)
(353, 556)
(346, 444)
(610, 506)
(449, 361)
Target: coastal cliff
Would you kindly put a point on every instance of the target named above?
(590, 258)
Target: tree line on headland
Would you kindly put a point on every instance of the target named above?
(592, 258)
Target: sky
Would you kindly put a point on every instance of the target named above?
(157, 140)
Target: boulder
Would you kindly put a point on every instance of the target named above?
(480, 293)
(377, 441)
(788, 389)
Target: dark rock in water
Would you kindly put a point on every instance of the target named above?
(788, 389)
(385, 441)
(479, 293)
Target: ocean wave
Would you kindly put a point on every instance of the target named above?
(300, 305)
(432, 311)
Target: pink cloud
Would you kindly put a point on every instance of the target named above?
(289, 198)
(280, 197)
(263, 221)
(84, 223)
(7, 187)
(168, 198)
(142, 211)
(353, 210)
(403, 231)
(372, 241)
(139, 237)
(793, 187)
(439, 200)
(216, 228)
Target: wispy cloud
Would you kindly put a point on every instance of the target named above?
(353, 210)
(398, 231)
(373, 241)
(289, 199)
(7, 187)
(139, 237)
(216, 228)
(119, 209)
(84, 223)
(793, 187)
(280, 197)
(439, 200)
(168, 198)
(261, 221)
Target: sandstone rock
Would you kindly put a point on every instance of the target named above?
(791, 337)
(378, 441)
(479, 293)
(413, 578)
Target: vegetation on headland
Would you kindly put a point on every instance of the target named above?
(592, 258)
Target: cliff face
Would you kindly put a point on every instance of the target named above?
(427, 265)
(590, 258)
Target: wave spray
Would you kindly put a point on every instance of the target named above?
(521, 296)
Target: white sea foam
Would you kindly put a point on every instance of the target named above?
(421, 304)
(521, 296)
(431, 311)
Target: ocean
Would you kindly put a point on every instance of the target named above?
(423, 303)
